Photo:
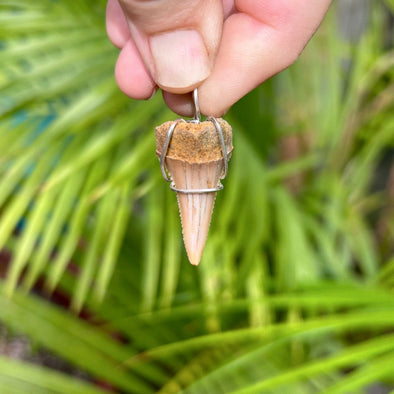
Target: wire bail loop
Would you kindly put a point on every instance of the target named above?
(197, 113)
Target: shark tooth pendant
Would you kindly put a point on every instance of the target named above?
(196, 155)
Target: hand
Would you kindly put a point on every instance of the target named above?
(226, 48)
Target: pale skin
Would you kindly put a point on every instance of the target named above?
(225, 48)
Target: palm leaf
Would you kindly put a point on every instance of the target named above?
(292, 290)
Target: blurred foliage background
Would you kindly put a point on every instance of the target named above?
(294, 293)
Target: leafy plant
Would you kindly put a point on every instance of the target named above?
(294, 292)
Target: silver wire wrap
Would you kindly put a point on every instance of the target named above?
(197, 113)
(170, 132)
(163, 155)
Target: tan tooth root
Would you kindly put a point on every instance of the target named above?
(195, 161)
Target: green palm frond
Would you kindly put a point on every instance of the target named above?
(75, 160)
(20, 377)
(294, 291)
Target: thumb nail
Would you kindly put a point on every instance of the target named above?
(180, 59)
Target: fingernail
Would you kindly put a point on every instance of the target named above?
(155, 89)
(180, 59)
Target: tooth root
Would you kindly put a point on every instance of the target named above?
(195, 208)
(195, 161)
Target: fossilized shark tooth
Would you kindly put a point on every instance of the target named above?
(195, 161)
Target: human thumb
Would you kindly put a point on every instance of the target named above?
(177, 40)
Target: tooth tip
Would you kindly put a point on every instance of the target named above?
(195, 261)
(195, 224)
(196, 212)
